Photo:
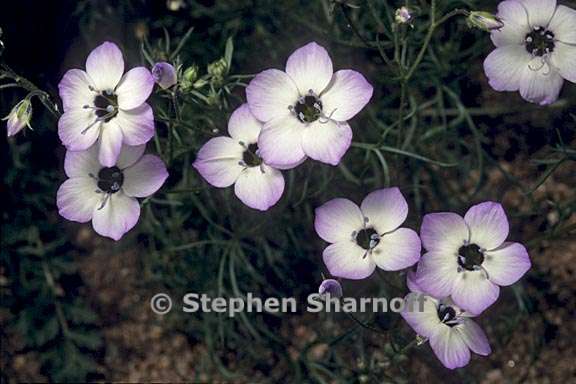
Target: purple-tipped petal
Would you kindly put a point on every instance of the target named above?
(129, 155)
(386, 209)
(443, 231)
(540, 12)
(474, 337)
(412, 282)
(397, 250)
(110, 144)
(330, 287)
(450, 348)
(488, 225)
(105, 66)
(540, 86)
(218, 161)
(473, 292)
(337, 220)
(14, 125)
(137, 125)
(563, 59)
(346, 259)
(259, 187)
(75, 90)
(71, 125)
(134, 88)
(280, 142)
(421, 313)
(270, 94)
(82, 163)
(119, 215)
(505, 66)
(145, 177)
(243, 126)
(76, 199)
(437, 273)
(326, 141)
(507, 264)
(164, 74)
(346, 95)
(310, 68)
(515, 28)
(562, 24)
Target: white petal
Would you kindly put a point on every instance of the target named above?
(488, 224)
(505, 65)
(280, 142)
(421, 313)
(75, 90)
(473, 292)
(562, 25)
(218, 161)
(259, 187)
(243, 126)
(130, 154)
(564, 60)
(515, 18)
(310, 67)
(474, 337)
(444, 231)
(119, 215)
(507, 264)
(137, 124)
(105, 66)
(134, 88)
(437, 273)
(540, 83)
(347, 259)
(71, 125)
(337, 220)
(386, 209)
(540, 12)
(82, 163)
(270, 94)
(76, 199)
(326, 141)
(450, 348)
(346, 95)
(110, 144)
(145, 177)
(397, 250)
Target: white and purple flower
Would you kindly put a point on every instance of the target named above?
(107, 196)
(102, 103)
(306, 108)
(164, 74)
(535, 49)
(367, 236)
(468, 258)
(224, 161)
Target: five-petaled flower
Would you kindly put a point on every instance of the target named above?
(468, 258)
(237, 160)
(106, 104)
(367, 236)
(535, 49)
(305, 109)
(107, 195)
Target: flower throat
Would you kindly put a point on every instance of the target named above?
(540, 41)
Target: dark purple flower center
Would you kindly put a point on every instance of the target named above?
(250, 157)
(540, 41)
(110, 179)
(470, 257)
(447, 314)
(308, 108)
(106, 106)
(367, 238)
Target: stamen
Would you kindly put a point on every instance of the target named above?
(104, 201)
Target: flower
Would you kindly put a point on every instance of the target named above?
(224, 161)
(330, 287)
(107, 195)
(164, 74)
(535, 50)
(484, 21)
(305, 108)
(402, 15)
(468, 258)
(19, 117)
(367, 236)
(451, 332)
(104, 104)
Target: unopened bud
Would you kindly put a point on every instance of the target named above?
(218, 69)
(484, 21)
(19, 117)
(402, 15)
(164, 74)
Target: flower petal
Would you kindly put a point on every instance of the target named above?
(516, 26)
(337, 219)
(437, 273)
(310, 68)
(74, 89)
(504, 67)
(330, 287)
(473, 292)
(563, 59)
(443, 231)
(76, 199)
(563, 23)
(105, 66)
(145, 177)
(346, 259)
(270, 94)
(110, 144)
(397, 250)
(347, 94)
(134, 88)
(82, 163)
(280, 142)
(71, 125)
(218, 161)
(137, 125)
(327, 141)
(412, 281)
(243, 126)
(539, 83)
(164, 74)
(450, 348)
(507, 264)
(386, 209)
(421, 313)
(259, 187)
(540, 12)
(474, 337)
(129, 155)
(119, 215)
(488, 224)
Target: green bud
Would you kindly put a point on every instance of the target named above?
(218, 69)
(189, 77)
(19, 117)
(484, 21)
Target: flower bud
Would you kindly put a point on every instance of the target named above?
(402, 15)
(164, 74)
(218, 69)
(19, 117)
(484, 21)
(330, 287)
